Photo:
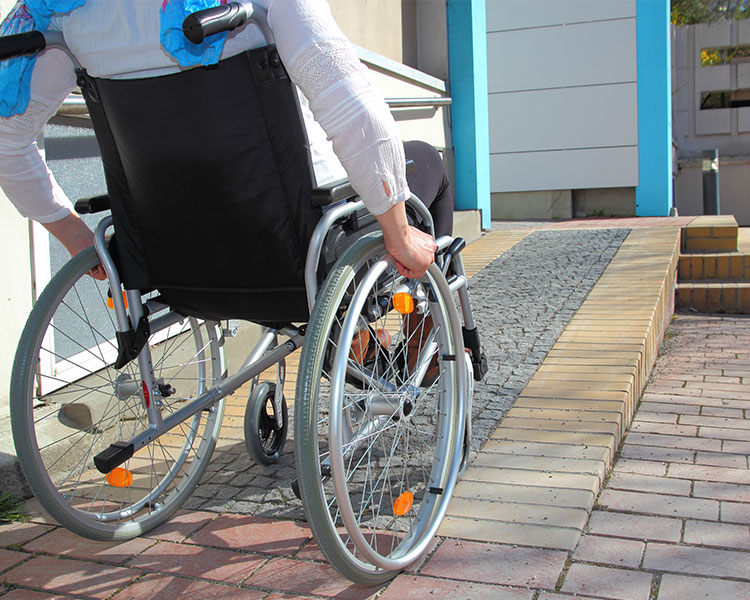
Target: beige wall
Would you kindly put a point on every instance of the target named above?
(372, 24)
(412, 32)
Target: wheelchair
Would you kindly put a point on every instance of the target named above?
(118, 390)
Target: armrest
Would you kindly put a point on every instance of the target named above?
(92, 204)
(336, 191)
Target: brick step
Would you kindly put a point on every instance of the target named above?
(734, 266)
(720, 296)
(710, 233)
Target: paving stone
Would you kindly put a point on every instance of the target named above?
(73, 577)
(518, 513)
(647, 483)
(530, 494)
(524, 534)
(638, 527)
(17, 534)
(708, 473)
(497, 564)
(10, 558)
(609, 550)
(721, 491)
(719, 535)
(195, 561)
(640, 467)
(165, 587)
(618, 584)
(735, 512)
(659, 504)
(251, 534)
(674, 442)
(180, 526)
(697, 561)
(679, 587)
(64, 543)
(409, 587)
(657, 453)
(19, 594)
(733, 461)
(299, 577)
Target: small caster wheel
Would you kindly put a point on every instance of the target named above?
(264, 438)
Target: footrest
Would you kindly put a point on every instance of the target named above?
(113, 456)
(480, 368)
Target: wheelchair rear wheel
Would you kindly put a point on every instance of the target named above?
(379, 415)
(68, 403)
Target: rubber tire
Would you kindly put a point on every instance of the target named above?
(255, 412)
(326, 532)
(24, 383)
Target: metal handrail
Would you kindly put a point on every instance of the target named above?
(74, 105)
(418, 102)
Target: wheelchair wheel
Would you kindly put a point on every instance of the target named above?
(68, 403)
(379, 415)
(264, 438)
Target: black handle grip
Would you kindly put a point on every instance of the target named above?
(21, 44)
(200, 24)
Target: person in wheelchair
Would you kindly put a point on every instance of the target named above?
(126, 39)
(211, 160)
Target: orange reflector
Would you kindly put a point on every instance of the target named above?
(403, 303)
(120, 478)
(111, 303)
(403, 503)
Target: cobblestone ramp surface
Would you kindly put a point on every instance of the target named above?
(522, 303)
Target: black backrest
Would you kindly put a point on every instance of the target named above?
(210, 179)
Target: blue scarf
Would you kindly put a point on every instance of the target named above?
(29, 15)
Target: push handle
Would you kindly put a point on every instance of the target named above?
(20, 44)
(202, 23)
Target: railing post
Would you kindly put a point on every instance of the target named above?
(710, 171)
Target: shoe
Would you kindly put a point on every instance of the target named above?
(364, 350)
(416, 329)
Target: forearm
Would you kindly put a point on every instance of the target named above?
(72, 232)
(322, 62)
(24, 176)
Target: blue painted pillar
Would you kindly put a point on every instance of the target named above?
(467, 50)
(653, 196)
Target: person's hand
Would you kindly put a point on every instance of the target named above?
(75, 235)
(414, 255)
(413, 249)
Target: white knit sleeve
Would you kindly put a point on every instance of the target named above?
(323, 64)
(24, 177)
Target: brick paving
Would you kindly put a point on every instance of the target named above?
(672, 521)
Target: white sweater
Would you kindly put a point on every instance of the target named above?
(120, 39)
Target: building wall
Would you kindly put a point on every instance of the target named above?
(724, 129)
(696, 130)
(562, 95)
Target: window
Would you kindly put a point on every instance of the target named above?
(711, 57)
(725, 99)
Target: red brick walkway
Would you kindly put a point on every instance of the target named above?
(673, 522)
